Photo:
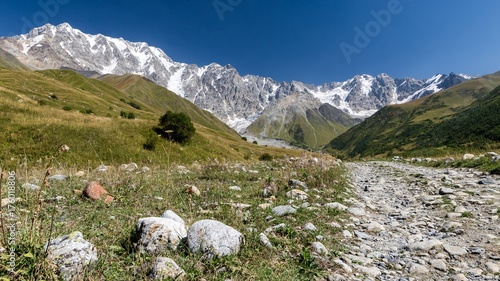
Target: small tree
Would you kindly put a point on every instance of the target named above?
(176, 127)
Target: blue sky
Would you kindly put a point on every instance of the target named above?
(314, 41)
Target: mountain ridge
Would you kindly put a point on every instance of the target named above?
(237, 100)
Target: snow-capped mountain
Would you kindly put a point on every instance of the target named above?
(235, 99)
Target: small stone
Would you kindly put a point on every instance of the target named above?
(191, 189)
(357, 211)
(309, 226)
(274, 228)
(297, 194)
(102, 168)
(319, 248)
(450, 226)
(235, 188)
(477, 250)
(80, 174)
(468, 156)
(166, 268)
(265, 241)
(347, 233)
(375, 227)
(265, 206)
(459, 277)
(370, 271)
(454, 250)
(95, 191)
(344, 266)
(439, 265)
(57, 178)
(336, 206)
(492, 267)
(284, 210)
(424, 245)
(297, 183)
(416, 268)
(446, 191)
(31, 186)
(169, 214)
(453, 215)
(460, 209)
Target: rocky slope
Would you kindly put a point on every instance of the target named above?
(235, 99)
(438, 224)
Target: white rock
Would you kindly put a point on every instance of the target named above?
(297, 194)
(235, 188)
(71, 255)
(158, 234)
(166, 268)
(439, 264)
(265, 241)
(311, 227)
(424, 245)
(454, 250)
(274, 228)
(459, 277)
(31, 186)
(319, 248)
(375, 227)
(370, 271)
(336, 206)
(468, 156)
(347, 233)
(214, 238)
(284, 210)
(357, 211)
(169, 214)
(492, 267)
(416, 268)
(344, 266)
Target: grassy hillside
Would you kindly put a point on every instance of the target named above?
(43, 109)
(302, 122)
(7, 60)
(160, 99)
(434, 125)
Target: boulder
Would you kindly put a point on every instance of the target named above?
(169, 214)
(71, 255)
(155, 235)
(213, 238)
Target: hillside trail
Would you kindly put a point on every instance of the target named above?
(419, 223)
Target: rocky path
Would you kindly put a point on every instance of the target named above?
(415, 223)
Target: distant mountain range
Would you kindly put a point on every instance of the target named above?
(463, 118)
(240, 101)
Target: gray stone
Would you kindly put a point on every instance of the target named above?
(265, 241)
(468, 156)
(424, 245)
(370, 271)
(375, 227)
(297, 194)
(297, 183)
(416, 268)
(169, 214)
(31, 186)
(344, 266)
(166, 268)
(492, 267)
(71, 255)
(336, 206)
(158, 234)
(450, 226)
(459, 277)
(439, 264)
(235, 188)
(319, 248)
(357, 211)
(284, 210)
(213, 238)
(57, 178)
(446, 191)
(454, 250)
(311, 227)
(274, 228)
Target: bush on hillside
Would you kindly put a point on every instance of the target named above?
(176, 127)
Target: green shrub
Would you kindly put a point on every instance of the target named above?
(176, 127)
(130, 115)
(255, 142)
(134, 105)
(151, 140)
(87, 111)
(266, 157)
(67, 108)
